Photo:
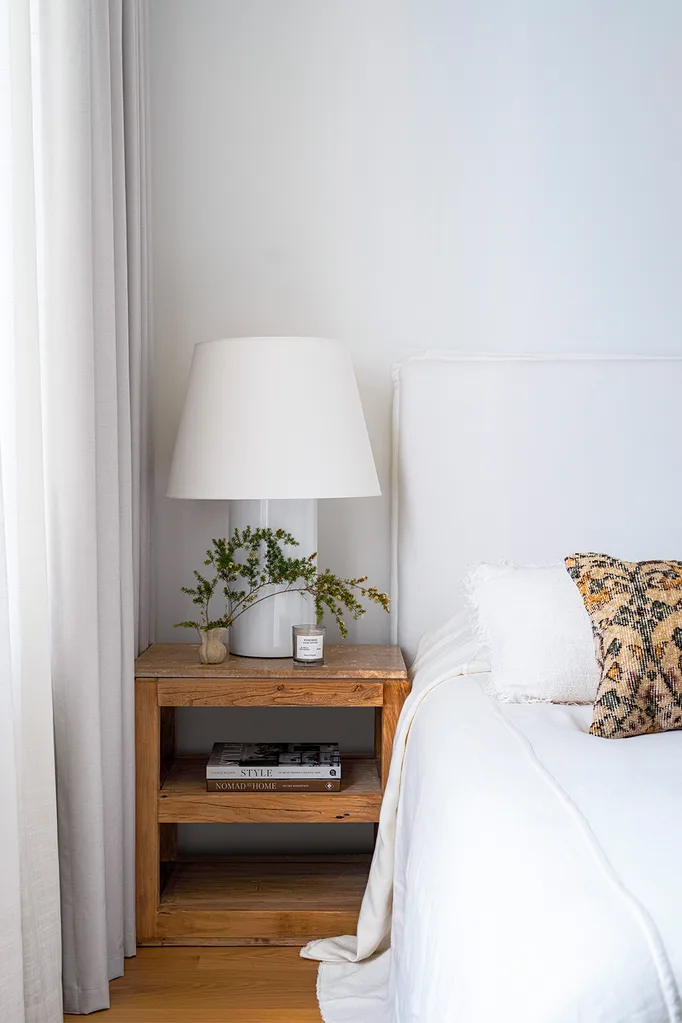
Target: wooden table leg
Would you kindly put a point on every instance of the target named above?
(395, 694)
(147, 767)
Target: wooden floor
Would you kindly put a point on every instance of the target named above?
(214, 985)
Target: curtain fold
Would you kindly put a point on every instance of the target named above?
(30, 948)
(96, 361)
(136, 93)
(76, 539)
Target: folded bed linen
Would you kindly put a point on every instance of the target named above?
(525, 871)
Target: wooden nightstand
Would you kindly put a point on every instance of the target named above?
(254, 900)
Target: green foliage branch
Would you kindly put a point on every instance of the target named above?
(252, 560)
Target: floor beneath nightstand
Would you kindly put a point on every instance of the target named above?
(214, 985)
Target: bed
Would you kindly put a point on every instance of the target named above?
(525, 871)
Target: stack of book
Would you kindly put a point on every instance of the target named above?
(274, 767)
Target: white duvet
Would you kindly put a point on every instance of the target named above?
(534, 872)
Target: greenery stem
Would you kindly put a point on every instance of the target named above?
(266, 565)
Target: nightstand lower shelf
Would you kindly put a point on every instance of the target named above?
(234, 902)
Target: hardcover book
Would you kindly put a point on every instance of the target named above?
(274, 760)
(273, 785)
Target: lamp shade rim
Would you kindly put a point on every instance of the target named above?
(238, 495)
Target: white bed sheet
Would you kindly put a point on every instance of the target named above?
(533, 870)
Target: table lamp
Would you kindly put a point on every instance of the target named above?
(272, 424)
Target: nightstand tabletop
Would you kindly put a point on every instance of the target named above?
(342, 660)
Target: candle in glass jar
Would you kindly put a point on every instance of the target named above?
(308, 644)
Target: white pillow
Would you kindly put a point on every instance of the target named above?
(538, 633)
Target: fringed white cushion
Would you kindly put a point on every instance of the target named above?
(538, 633)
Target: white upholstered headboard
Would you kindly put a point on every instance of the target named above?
(527, 458)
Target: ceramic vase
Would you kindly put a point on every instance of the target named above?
(212, 650)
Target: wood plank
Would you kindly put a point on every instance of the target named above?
(342, 660)
(326, 884)
(147, 768)
(223, 985)
(238, 927)
(189, 692)
(226, 858)
(289, 901)
(184, 799)
(395, 695)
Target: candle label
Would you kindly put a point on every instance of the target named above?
(309, 648)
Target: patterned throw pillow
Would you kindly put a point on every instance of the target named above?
(636, 612)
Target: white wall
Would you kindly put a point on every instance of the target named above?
(481, 174)
(501, 175)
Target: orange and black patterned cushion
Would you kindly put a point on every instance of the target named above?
(636, 612)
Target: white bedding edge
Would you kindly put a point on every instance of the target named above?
(433, 665)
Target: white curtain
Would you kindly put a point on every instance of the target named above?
(30, 949)
(74, 443)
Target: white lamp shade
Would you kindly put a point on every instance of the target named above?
(272, 418)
